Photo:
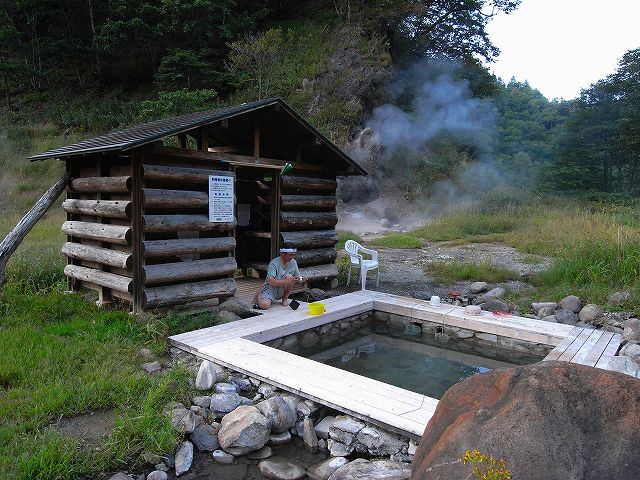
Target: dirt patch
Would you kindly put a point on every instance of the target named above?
(90, 429)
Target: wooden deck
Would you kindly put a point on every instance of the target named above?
(237, 345)
(587, 347)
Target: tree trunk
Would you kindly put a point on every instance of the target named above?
(15, 237)
(101, 185)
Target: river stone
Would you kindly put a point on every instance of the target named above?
(464, 333)
(279, 412)
(205, 439)
(264, 452)
(266, 390)
(572, 303)
(339, 449)
(376, 470)
(565, 316)
(157, 475)
(223, 457)
(244, 430)
(322, 428)
(182, 420)
(529, 415)
(151, 367)
(478, 287)
(632, 330)
(289, 343)
(206, 376)
(279, 468)
(497, 292)
(222, 403)
(243, 384)
(623, 365)
(619, 298)
(309, 339)
(345, 429)
(225, 388)
(495, 305)
(307, 408)
(550, 318)
(281, 438)
(631, 350)
(487, 337)
(538, 305)
(324, 469)
(379, 443)
(309, 436)
(546, 311)
(228, 316)
(184, 457)
(121, 476)
(241, 309)
(590, 312)
(316, 294)
(202, 402)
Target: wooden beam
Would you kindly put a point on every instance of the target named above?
(89, 253)
(104, 279)
(137, 227)
(100, 232)
(305, 184)
(308, 202)
(168, 296)
(188, 271)
(311, 239)
(175, 223)
(307, 220)
(163, 198)
(275, 216)
(256, 135)
(320, 272)
(15, 237)
(170, 248)
(101, 185)
(316, 256)
(179, 176)
(98, 208)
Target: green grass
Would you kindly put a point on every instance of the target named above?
(397, 240)
(453, 271)
(470, 226)
(345, 235)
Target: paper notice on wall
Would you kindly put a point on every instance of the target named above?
(220, 199)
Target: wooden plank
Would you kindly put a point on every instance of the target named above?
(100, 232)
(98, 277)
(106, 256)
(190, 246)
(101, 184)
(575, 346)
(188, 271)
(98, 208)
(563, 345)
(175, 223)
(610, 351)
(165, 198)
(160, 297)
(586, 348)
(598, 349)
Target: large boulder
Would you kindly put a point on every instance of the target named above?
(632, 330)
(590, 312)
(497, 292)
(376, 470)
(280, 468)
(279, 412)
(244, 430)
(571, 302)
(565, 316)
(205, 438)
(550, 420)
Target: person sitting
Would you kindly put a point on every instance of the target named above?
(282, 275)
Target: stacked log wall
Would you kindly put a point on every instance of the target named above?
(308, 220)
(98, 226)
(185, 257)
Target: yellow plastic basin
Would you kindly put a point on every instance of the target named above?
(316, 308)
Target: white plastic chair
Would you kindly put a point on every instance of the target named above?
(356, 260)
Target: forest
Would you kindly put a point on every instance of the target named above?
(74, 68)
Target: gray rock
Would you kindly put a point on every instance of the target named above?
(571, 303)
(184, 457)
(316, 294)
(538, 305)
(279, 468)
(281, 438)
(207, 376)
(495, 305)
(345, 429)
(546, 311)
(322, 428)
(590, 312)
(151, 367)
(550, 318)
(487, 337)
(264, 452)
(279, 412)
(619, 298)
(157, 475)
(464, 333)
(376, 470)
(565, 316)
(147, 354)
(223, 403)
(223, 457)
(631, 350)
(497, 292)
(623, 365)
(205, 438)
(244, 430)
(632, 330)
(339, 449)
(307, 408)
(413, 446)
(478, 287)
(241, 309)
(243, 384)
(324, 469)
(309, 436)
(121, 476)
(322, 444)
(309, 339)
(182, 420)
(289, 343)
(228, 316)
(225, 388)
(266, 390)
(202, 402)
(379, 443)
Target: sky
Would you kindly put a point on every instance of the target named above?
(561, 46)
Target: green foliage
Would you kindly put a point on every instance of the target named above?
(397, 240)
(454, 271)
(185, 69)
(470, 226)
(347, 235)
(177, 103)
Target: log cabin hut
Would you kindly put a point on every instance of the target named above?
(138, 204)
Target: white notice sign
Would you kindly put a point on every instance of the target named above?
(220, 199)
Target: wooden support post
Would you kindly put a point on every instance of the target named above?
(105, 300)
(203, 144)
(138, 236)
(13, 240)
(256, 135)
(182, 140)
(275, 215)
